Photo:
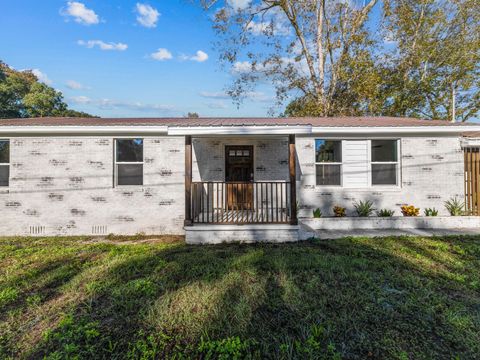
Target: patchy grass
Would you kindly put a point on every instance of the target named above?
(397, 298)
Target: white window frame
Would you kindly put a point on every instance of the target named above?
(396, 163)
(328, 163)
(116, 163)
(7, 164)
(369, 164)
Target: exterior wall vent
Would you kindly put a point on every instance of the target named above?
(99, 229)
(37, 230)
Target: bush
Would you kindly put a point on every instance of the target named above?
(364, 208)
(339, 211)
(317, 213)
(430, 212)
(410, 210)
(455, 206)
(385, 213)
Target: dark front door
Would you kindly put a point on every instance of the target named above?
(239, 176)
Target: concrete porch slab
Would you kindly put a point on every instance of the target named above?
(218, 234)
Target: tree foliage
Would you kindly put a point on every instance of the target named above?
(333, 58)
(22, 95)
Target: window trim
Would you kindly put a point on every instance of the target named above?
(7, 164)
(328, 163)
(370, 186)
(396, 163)
(115, 162)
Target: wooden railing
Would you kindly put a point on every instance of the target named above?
(241, 202)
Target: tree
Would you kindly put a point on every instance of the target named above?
(436, 59)
(22, 95)
(320, 51)
(193, 115)
(332, 60)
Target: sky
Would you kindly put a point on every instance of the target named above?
(124, 58)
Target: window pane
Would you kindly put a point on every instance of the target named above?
(328, 151)
(4, 175)
(130, 174)
(384, 150)
(130, 150)
(328, 174)
(384, 174)
(4, 151)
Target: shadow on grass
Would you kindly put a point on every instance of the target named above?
(359, 297)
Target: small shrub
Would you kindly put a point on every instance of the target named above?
(364, 208)
(410, 210)
(317, 213)
(430, 212)
(339, 211)
(455, 206)
(385, 213)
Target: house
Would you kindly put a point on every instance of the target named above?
(226, 179)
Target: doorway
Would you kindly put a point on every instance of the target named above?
(239, 176)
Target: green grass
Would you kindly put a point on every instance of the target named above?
(396, 298)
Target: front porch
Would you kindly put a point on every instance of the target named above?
(240, 181)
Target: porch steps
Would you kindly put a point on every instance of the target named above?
(248, 233)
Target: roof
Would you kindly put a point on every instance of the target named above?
(203, 122)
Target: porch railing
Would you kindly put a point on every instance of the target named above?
(262, 202)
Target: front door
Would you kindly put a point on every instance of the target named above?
(239, 176)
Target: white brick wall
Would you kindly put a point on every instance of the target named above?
(270, 158)
(65, 186)
(431, 173)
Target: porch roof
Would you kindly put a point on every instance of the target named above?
(237, 126)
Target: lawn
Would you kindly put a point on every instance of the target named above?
(396, 298)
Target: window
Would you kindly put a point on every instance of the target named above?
(328, 162)
(4, 162)
(129, 161)
(384, 162)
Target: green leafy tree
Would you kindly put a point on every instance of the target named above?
(22, 95)
(434, 70)
(42, 100)
(418, 59)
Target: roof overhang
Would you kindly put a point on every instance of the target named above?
(408, 130)
(236, 130)
(240, 130)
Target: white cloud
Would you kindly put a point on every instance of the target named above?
(263, 28)
(241, 67)
(214, 95)
(239, 4)
(199, 56)
(251, 95)
(217, 105)
(103, 45)
(147, 15)
(119, 104)
(74, 85)
(80, 13)
(161, 55)
(42, 77)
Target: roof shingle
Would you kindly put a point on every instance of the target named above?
(196, 122)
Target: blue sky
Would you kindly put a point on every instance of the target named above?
(99, 55)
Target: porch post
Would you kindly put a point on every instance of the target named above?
(188, 180)
(293, 179)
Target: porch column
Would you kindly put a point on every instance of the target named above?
(188, 180)
(292, 164)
